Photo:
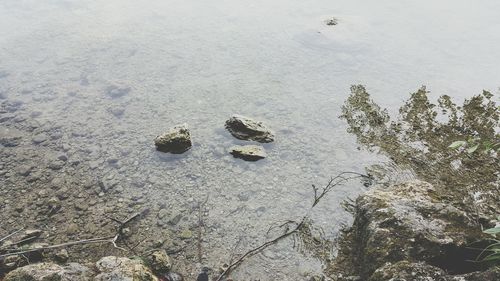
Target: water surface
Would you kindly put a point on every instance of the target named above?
(199, 62)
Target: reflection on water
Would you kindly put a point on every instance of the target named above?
(86, 85)
(420, 138)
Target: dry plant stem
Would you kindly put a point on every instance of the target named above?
(86, 241)
(111, 239)
(259, 249)
(13, 233)
(201, 225)
(318, 195)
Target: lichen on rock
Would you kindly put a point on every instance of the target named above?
(406, 222)
(245, 128)
(248, 152)
(50, 272)
(177, 140)
(123, 269)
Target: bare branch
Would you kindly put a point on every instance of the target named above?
(13, 233)
(298, 225)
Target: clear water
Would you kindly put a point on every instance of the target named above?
(198, 62)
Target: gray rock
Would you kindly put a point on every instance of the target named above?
(245, 128)
(116, 111)
(123, 269)
(6, 117)
(159, 261)
(248, 152)
(12, 262)
(10, 137)
(12, 105)
(116, 91)
(173, 276)
(35, 114)
(177, 140)
(332, 21)
(61, 256)
(24, 170)
(50, 271)
(162, 213)
(62, 157)
(31, 234)
(3, 74)
(40, 138)
(56, 165)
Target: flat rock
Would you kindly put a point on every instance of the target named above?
(248, 152)
(245, 128)
(117, 91)
(50, 271)
(10, 137)
(177, 140)
(123, 269)
(40, 138)
(159, 261)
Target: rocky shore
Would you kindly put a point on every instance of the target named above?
(156, 266)
(406, 232)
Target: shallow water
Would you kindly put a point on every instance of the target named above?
(198, 62)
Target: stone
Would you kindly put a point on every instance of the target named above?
(62, 157)
(61, 256)
(409, 226)
(332, 21)
(159, 261)
(24, 170)
(50, 272)
(13, 262)
(177, 140)
(31, 234)
(245, 128)
(116, 111)
(248, 152)
(6, 117)
(56, 164)
(420, 271)
(174, 276)
(40, 138)
(123, 269)
(10, 137)
(186, 234)
(115, 91)
(12, 105)
(162, 213)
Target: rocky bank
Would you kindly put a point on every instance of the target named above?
(406, 232)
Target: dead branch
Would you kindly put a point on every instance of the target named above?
(110, 239)
(86, 241)
(291, 226)
(201, 225)
(13, 233)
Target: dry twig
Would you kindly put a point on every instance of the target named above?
(291, 226)
(110, 239)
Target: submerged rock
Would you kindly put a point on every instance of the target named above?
(245, 128)
(50, 271)
(117, 91)
(177, 140)
(10, 137)
(248, 152)
(332, 21)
